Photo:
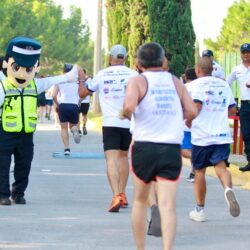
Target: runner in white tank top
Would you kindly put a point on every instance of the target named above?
(159, 106)
(158, 103)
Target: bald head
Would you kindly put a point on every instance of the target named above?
(204, 67)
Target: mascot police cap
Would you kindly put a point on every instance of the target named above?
(25, 51)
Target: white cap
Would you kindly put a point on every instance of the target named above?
(118, 51)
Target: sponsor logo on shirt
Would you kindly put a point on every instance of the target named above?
(116, 89)
(216, 102)
(217, 110)
(108, 82)
(106, 90)
(223, 103)
(209, 92)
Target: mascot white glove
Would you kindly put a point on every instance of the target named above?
(72, 75)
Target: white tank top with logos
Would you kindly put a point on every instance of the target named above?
(159, 117)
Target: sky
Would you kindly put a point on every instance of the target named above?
(207, 16)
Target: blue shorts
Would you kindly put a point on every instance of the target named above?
(205, 156)
(68, 113)
(49, 102)
(41, 100)
(186, 143)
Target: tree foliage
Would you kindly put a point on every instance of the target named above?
(235, 29)
(168, 22)
(127, 22)
(118, 22)
(171, 25)
(139, 27)
(63, 40)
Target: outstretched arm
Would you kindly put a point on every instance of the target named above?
(135, 90)
(45, 83)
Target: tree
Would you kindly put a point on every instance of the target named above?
(63, 40)
(118, 22)
(170, 25)
(235, 29)
(139, 27)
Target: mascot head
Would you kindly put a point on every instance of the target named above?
(21, 61)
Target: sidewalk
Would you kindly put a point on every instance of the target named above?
(67, 201)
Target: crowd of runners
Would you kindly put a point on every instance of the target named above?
(146, 110)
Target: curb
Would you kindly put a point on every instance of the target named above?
(239, 179)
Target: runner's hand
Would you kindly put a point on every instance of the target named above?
(122, 115)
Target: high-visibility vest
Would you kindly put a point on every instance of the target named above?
(19, 110)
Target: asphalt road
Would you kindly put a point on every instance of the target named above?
(67, 201)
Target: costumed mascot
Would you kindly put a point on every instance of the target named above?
(18, 113)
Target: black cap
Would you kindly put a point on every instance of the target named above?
(207, 52)
(25, 51)
(67, 67)
(245, 47)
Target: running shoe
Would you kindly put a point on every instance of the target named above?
(197, 215)
(18, 200)
(5, 201)
(66, 151)
(232, 203)
(124, 200)
(115, 204)
(84, 130)
(76, 135)
(154, 227)
(190, 178)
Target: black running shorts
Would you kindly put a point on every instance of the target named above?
(84, 108)
(116, 138)
(156, 160)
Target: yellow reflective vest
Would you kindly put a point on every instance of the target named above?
(19, 110)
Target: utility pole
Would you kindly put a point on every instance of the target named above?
(98, 55)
